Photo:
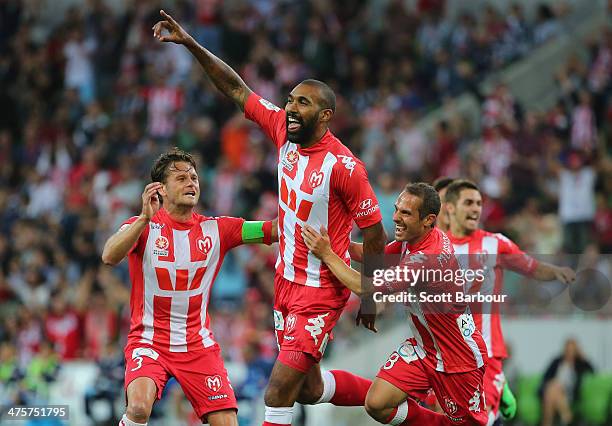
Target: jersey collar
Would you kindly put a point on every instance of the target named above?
(462, 240)
(175, 223)
(423, 243)
(322, 145)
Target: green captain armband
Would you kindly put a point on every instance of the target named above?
(254, 232)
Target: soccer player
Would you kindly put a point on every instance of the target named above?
(496, 252)
(440, 185)
(174, 256)
(321, 183)
(447, 352)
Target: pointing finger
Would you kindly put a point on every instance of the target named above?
(168, 17)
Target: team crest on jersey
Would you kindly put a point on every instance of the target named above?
(451, 405)
(290, 159)
(161, 246)
(204, 245)
(290, 323)
(214, 383)
(481, 258)
(316, 179)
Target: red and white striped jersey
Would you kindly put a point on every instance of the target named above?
(172, 268)
(323, 185)
(492, 253)
(447, 337)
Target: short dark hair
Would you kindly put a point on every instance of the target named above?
(454, 189)
(430, 200)
(159, 171)
(328, 97)
(442, 182)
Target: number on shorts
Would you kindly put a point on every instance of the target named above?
(138, 359)
(475, 400)
(391, 361)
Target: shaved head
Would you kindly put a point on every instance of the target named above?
(327, 97)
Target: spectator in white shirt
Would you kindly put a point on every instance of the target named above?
(576, 203)
(79, 72)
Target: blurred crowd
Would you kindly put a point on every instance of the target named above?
(90, 99)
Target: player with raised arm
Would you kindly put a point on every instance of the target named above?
(321, 183)
(174, 256)
(447, 352)
(493, 253)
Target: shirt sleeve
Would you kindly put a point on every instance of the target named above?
(139, 244)
(353, 187)
(268, 116)
(513, 258)
(394, 247)
(230, 232)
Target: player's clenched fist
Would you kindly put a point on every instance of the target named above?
(176, 33)
(150, 200)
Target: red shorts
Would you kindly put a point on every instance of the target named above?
(460, 394)
(494, 381)
(304, 318)
(201, 374)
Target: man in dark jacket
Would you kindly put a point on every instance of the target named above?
(561, 384)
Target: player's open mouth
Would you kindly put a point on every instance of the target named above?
(472, 219)
(399, 229)
(190, 193)
(293, 124)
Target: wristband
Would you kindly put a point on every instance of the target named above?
(267, 231)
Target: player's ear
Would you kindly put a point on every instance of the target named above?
(450, 208)
(430, 219)
(162, 191)
(325, 115)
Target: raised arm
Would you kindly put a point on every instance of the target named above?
(222, 75)
(119, 245)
